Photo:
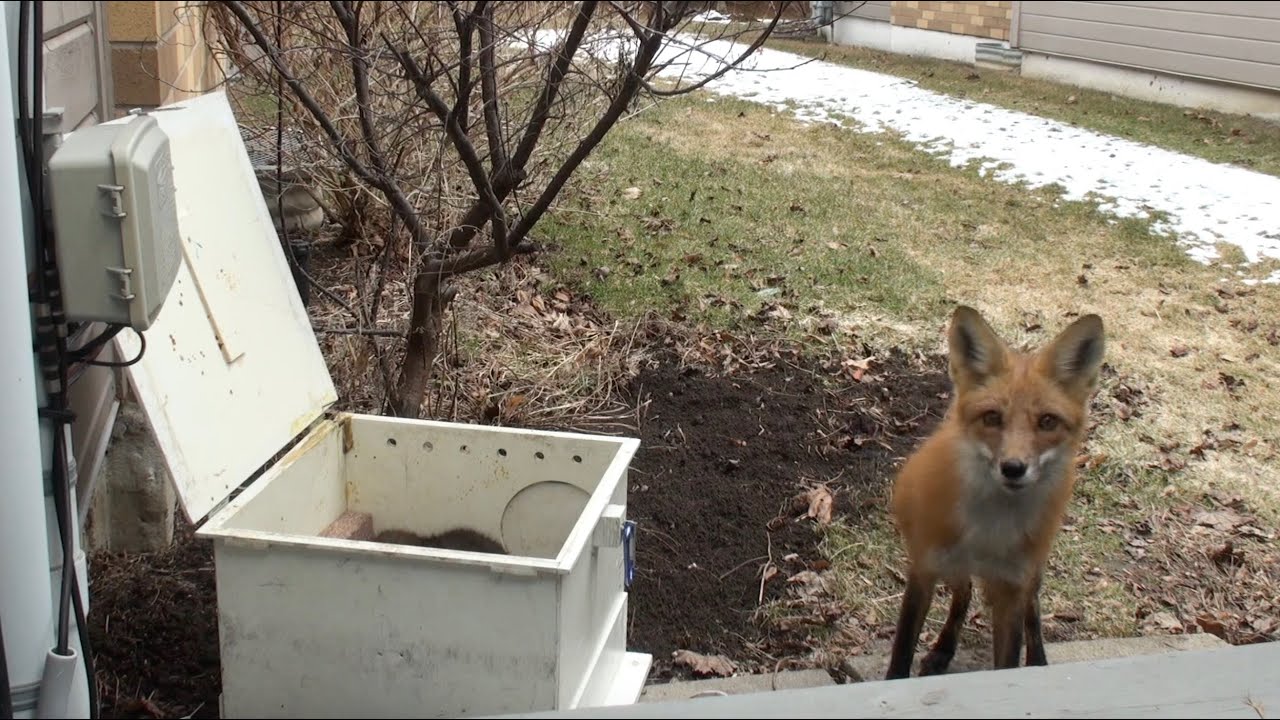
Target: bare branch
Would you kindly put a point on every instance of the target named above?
(394, 195)
(489, 93)
(759, 41)
(506, 182)
(461, 142)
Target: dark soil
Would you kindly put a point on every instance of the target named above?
(154, 630)
(712, 490)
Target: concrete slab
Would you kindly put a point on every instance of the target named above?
(978, 657)
(1221, 682)
(972, 659)
(738, 685)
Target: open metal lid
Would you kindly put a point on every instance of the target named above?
(231, 371)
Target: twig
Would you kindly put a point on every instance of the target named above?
(359, 331)
(764, 576)
(743, 564)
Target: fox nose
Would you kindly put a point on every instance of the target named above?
(1013, 469)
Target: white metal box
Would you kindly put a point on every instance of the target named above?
(317, 626)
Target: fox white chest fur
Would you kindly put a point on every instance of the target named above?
(997, 522)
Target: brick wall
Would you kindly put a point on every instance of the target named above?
(981, 19)
(158, 52)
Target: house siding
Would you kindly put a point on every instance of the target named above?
(871, 10)
(1233, 42)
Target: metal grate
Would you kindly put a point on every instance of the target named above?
(261, 145)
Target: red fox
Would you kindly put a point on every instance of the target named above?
(983, 497)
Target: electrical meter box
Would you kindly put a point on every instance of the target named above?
(116, 224)
(314, 622)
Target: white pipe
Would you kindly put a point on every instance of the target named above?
(56, 689)
(65, 684)
(26, 606)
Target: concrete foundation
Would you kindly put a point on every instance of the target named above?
(134, 504)
(1153, 86)
(879, 35)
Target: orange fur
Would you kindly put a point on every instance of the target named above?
(983, 496)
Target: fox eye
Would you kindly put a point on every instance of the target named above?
(1048, 422)
(991, 418)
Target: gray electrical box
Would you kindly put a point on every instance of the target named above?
(115, 222)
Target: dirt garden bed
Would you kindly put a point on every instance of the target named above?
(720, 490)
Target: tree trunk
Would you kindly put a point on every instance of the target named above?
(430, 299)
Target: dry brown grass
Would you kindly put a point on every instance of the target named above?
(522, 351)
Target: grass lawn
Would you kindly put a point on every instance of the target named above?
(725, 214)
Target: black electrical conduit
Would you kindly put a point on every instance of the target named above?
(51, 338)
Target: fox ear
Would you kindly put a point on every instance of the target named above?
(1075, 355)
(976, 352)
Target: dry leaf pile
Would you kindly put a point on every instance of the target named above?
(1206, 566)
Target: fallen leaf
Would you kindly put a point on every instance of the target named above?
(1212, 625)
(1220, 519)
(1255, 532)
(808, 583)
(770, 572)
(1227, 555)
(511, 403)
(701, 664)
(1089, 462)
(1164, 621)
(820, 502)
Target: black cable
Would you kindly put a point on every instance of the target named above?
(52, 299)
(86, 648)
(24, 22)
(142, 339)
(90, 349)
(51, 329)
(6, 694)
